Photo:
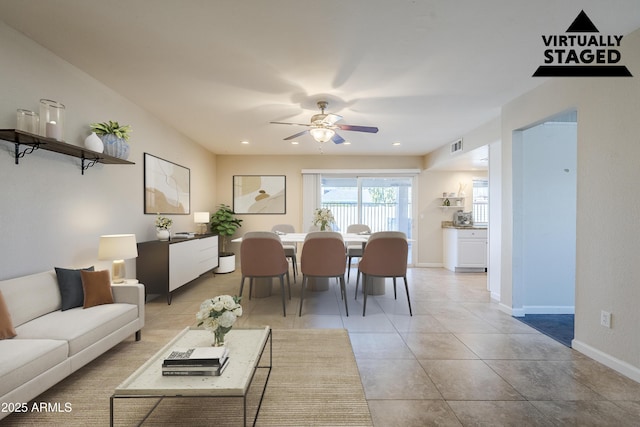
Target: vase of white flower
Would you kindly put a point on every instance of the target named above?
(323, 218)
(163, 225)
(218, 315)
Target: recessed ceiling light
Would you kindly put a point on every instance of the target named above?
(244, 142)
(395, 143)
(347, 143)
(294, 142)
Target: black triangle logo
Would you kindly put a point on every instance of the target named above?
(582, 24)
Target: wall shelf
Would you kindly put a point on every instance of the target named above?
(32, 142)
(452, 205)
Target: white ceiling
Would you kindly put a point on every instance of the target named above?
(424, 71)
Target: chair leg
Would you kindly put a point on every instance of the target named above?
(395, 292)
(304, 283)
(357, 280)
(349, 269)
(364, 290)
(284, 305)
(242, 284)
(289, 283)
(250, 286)
(406, 287)
(294, 268)
(343, 293)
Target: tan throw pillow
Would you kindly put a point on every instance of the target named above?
(96, 286)
(6, 326)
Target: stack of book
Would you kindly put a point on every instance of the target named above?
(196, 361)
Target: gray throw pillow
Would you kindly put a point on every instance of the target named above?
(70, 284)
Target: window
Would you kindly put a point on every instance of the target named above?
(480, 201)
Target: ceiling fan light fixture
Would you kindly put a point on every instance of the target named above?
(321, 134)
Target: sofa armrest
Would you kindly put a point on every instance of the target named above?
(130, 293)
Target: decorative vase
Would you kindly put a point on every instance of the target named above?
(219, 335)
(162, 233)
(94, 143)
(114, 146)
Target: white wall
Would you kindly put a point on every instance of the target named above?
(50, 214)
(545, 219)
(494, 271)
(607, 173)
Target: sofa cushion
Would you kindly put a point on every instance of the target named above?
(70, 284)
(96, 286)
(19, 294)
(22, 360)
(6, 325)
(80, 327)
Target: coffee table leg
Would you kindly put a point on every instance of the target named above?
(111, 411)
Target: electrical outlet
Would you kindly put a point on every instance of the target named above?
(605, 319)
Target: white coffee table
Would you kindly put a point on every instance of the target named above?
(246, 347)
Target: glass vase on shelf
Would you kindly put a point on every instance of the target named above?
(52, 119)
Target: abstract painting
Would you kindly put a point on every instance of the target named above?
(259, 194)
(166, 187)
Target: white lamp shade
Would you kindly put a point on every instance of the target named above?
(200, 217)
(117, 246)
(322, 134)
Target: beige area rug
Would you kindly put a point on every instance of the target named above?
(314, 382)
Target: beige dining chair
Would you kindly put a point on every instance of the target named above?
(323, 256)
(354, 250)
(290, 250)
(262, 256)
(385, 255)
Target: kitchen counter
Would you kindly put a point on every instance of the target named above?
(449, 224)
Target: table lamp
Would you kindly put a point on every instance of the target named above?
(117, 247)
(201, 218)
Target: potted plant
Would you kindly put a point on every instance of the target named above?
(224, 223)
(114, 137)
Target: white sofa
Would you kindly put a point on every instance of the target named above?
(51, 343)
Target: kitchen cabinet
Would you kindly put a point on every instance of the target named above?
(465, 249)
(164, 266)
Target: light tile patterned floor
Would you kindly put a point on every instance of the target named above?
(458, 361)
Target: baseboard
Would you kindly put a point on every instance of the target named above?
(618, 365)
(429, 265)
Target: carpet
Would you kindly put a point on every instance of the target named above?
(560, 327)
(314, 382)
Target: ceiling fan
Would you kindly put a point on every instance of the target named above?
(323, 126)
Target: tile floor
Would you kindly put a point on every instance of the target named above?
(458, 361)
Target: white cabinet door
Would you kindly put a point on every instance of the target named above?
(182, 263)
(464, 249)
(207, 254)
(472, 253)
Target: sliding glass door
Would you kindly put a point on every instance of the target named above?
(384, 203)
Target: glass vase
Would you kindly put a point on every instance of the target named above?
(219, 336)
(52, 119)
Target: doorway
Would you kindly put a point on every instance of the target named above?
(544, 217)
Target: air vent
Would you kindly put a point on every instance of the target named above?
(456, 146)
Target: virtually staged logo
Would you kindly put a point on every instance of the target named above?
(582, 52)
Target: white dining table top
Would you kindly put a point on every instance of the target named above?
(299, 238)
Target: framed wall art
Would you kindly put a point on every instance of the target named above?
(259, 194)
(166, 187)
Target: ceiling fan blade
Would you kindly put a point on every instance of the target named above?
(337, 139)
(286, 123)
(370, 129)
(331, 119)
(296, 135)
